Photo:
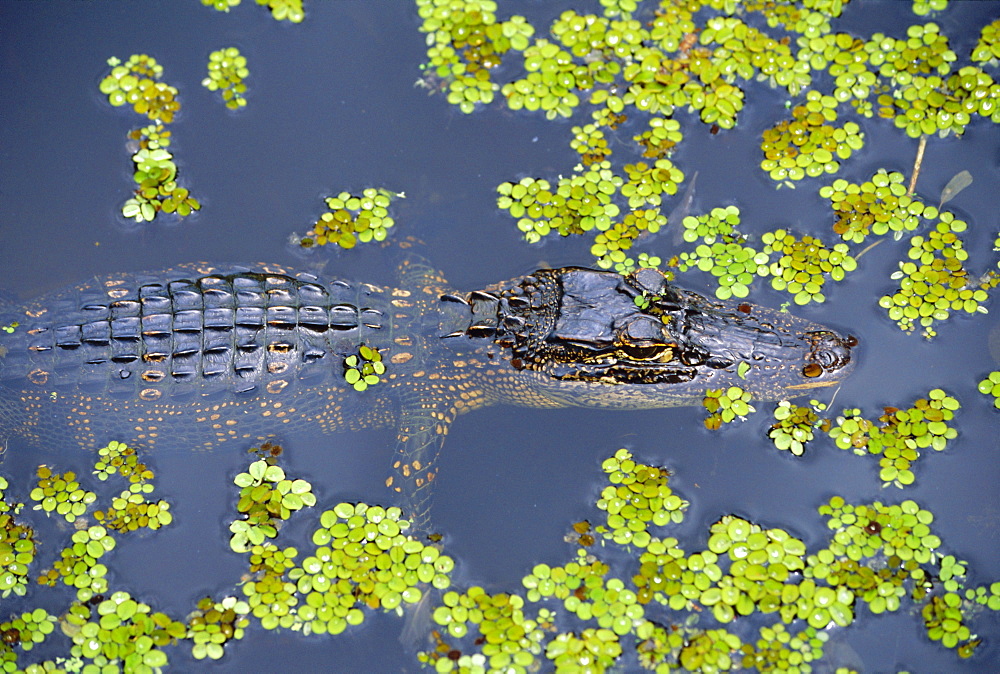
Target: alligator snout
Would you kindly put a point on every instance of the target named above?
(829, 353)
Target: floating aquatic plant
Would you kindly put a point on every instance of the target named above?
(900, 434)
(352, 219)
(795, 425)
(61, 493)
(990, 386)
(215, 623)
(17, 546)
(121, 632)
(118, 458)
(156, 177)
(638, 497)
(803, 264)
(227, 69)
(285, 10)
(364, 369)
(221, 5)
(935, 282)
(808, 145)
(79, 564)
(734, 265)
(987, 49)
(363, 558)
(137, 83)
(267, 498)
(726, 405)
(877, 206)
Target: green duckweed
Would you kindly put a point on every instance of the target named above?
(808, 145)
(900, 434)
(118, 458)
(79, 564)
(227, 69)
(267, 498)
(156, 178)
(593, 648)
(934, 282)
(364, 369)
(987, 49)
(877, 206)
(214, 623)
(137, 83)
(352, 219)
(25, 631)
(726, 405)
(779, 650)
(990, 386)
(734, 264)
(120, 632)
(804, 264)
(281, 10)
(60, 493)
(17, 546)
(221, 5)
(285, 10)
(794, 425)
(638, 496)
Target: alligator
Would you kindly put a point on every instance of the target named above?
(201, 355)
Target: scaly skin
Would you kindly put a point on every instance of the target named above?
(199, 356)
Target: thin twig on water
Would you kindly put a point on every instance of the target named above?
(916, 165)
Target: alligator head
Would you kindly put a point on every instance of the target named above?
(595, 338)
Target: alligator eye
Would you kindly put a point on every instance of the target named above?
(641, 352)
(812, 370)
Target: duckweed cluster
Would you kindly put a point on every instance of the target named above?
(352, 219)
(987, 49)
(227, 69)
(364, 369)
(17, 546)
(281, 10)
(267, 498)
(130, 510)
(509, 640)
(935, 282)
(805, 263)
(877, 206)
(214, 623)
(726, 405)
(156, 177)
(795, 425)
(25, 632)
(79, 564)
(117, 458)
(61, 493)
(734, 265)
(137, 83)
(121, 632)
(638, 497)
(808, 145)
(990, 386)
(778, 650)
(364, 560)
(900, 434)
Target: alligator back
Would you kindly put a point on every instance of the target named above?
(198, 352)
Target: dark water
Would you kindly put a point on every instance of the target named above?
(333, 106)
